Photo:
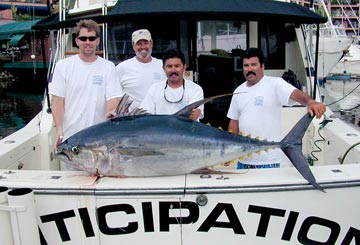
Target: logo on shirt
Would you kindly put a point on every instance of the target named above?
(157, 76)
(98, 79)
(259, 101)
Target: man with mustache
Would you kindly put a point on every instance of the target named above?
(256, 110)
(137, 74)
(175, 93)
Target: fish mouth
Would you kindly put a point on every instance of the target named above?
(61, 153)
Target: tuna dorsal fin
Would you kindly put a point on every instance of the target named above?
(187, 110)
(123, 106)
(122, 109)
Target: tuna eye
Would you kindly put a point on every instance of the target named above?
(75, 149)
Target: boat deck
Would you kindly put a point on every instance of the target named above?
(254, 180)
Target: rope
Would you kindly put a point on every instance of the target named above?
(348, 150)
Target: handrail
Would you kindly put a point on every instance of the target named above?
(347, 17)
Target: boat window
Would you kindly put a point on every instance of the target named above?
(220, 36)
(272, 43)
(119, 38)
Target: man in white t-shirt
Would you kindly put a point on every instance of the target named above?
(173, 94)
(256, 110)
(84, 87)
(137, 74)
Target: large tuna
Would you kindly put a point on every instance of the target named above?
(158, 145)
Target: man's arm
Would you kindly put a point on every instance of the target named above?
(196, 95)
(233, 126)
(111, 106)
(57, 109)
(314, 108)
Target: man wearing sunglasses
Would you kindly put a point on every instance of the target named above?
(137, 74)
(174, 93)
(84, 87)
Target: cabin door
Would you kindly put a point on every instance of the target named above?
(219, 45)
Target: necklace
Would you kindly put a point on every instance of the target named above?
(177, 101)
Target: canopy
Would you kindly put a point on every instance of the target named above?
(218, 9)
(252, 10)
(16, 39)
(17, 27)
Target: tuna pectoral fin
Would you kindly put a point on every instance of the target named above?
(292, 149)
(135, 152)
(298, 160)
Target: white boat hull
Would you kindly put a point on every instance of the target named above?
(349, 64)
(347, 67)
(250, 207)
(331, 50)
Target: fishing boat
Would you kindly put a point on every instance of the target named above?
(333, 43)
(39, 204)
(350, 63)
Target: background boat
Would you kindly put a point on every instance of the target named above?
(333, 43)
(350, 63)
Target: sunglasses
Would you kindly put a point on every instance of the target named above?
(83, 38)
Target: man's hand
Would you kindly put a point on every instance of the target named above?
(58, 138)
(110, 115)
(316, 108)
(195, 114)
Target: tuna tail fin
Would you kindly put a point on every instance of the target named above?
(294, 150)
(187, 110)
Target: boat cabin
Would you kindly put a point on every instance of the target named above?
(212, 36)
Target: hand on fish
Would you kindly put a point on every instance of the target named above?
(316, 108)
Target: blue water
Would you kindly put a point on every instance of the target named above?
(16, 110)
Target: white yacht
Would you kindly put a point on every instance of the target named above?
(350, 63)
(333, 44)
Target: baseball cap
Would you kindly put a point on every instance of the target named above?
(140, 34)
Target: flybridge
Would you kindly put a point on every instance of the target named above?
(256, 10)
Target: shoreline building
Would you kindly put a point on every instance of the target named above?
(343, 13)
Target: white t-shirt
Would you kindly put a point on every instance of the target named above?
(157, 98)
(258, 110)
(136, 77)
(86, 86)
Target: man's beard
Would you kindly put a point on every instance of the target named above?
(143, 55)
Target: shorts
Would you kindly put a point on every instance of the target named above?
(241, 165)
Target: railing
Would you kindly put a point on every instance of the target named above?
(349, 14)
